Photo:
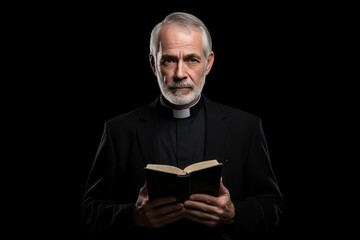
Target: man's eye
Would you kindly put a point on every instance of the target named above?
(169, 60)
(193, 60)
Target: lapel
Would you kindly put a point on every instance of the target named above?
(146, 133)
(216, 130)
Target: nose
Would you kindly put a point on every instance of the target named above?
(180, 71)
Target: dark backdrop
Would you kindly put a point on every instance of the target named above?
(90, 63)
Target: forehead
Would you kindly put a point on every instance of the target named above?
(174, 37)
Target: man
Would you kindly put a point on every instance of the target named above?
(182, 126)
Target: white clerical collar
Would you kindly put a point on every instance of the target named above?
(179, 113)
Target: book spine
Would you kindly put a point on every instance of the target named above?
(183, 187)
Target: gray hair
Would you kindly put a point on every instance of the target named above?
(186, 20)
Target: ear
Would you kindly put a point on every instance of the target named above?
(152, 63)
(210, 62)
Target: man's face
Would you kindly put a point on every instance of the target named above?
(181, 66)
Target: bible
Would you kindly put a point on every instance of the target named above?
(166, 180)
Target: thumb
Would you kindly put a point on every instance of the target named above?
(143, 191)
(223, 190)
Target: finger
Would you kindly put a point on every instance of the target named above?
(223, 190)
(201, 217)
(208, 199)
(168, 209)
(143, 192)
(202, 207)
(167, 218)
(163, 201)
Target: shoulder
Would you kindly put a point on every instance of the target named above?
(229, 111)
(133, 117)
(237, 121)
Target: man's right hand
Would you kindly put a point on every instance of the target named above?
(156, 213)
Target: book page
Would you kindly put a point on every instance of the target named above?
(166, 168)
(201, 165)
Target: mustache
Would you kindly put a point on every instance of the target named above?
(180, 85)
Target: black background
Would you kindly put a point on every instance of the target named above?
(88, 63)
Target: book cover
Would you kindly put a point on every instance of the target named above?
(165, 180)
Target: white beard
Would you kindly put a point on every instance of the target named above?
(179, 97)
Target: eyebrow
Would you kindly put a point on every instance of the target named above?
(188, 56)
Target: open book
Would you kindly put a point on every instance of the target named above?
(165, 180)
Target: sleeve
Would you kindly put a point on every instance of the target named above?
(100, 211)
(263, 204)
